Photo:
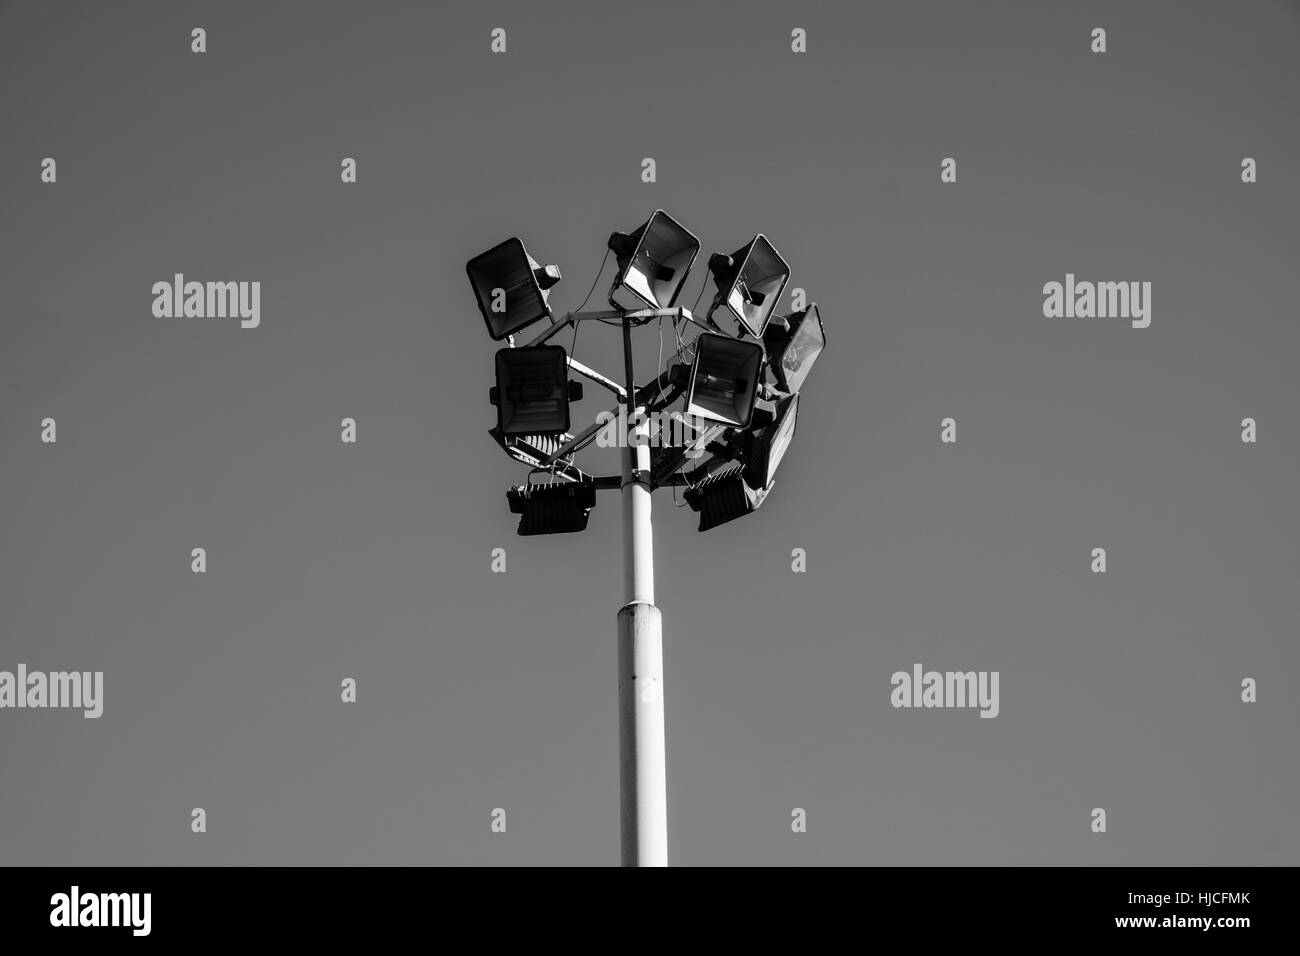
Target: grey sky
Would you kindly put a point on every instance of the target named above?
(372, 561)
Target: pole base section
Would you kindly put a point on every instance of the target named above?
(643, 781)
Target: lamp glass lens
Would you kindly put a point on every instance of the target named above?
(521, 302)
(802, 351)
(662, 259)
(725, 379)
(533, 390)
(758, 287)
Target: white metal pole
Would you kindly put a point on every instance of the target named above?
(643, 789)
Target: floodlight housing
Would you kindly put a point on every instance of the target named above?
(533, 390)
(750, 282)
(654, 259)
(724, 379)
(764, 447)
(723, 496)
(793, 344)
(560, 507)
(507, 276)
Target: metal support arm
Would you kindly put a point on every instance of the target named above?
(639, 317)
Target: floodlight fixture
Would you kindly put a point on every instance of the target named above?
(533, 390)
(723, 496)
(750, 282)
(793, 344)
(511, 287)
(654, 259)
(724, 379)
(559, 507)
(765, 447)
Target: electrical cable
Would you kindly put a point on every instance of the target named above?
(594, 282)
(660, 361)
(703, 286)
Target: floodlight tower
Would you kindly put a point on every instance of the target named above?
(747, 423)
(643, 781)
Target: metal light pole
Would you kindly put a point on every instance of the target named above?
(722, 382)
(643, 792)
(643, 786)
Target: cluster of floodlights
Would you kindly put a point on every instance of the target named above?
(744, 380)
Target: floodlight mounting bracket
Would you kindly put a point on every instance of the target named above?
(523, 450)
(653, 396)
(669, 463)
(672, 378)
(599, 482)
(597, 377)
(637, 317)
(720, 458)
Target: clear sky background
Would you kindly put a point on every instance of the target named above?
(479, 690)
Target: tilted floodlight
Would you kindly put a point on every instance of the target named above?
(793, 344)
(724, 379)
(556, 508)
(766, 446)
(750, 282)
(653, 260)
(511, 287)
(533, 390)
(722, 497)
